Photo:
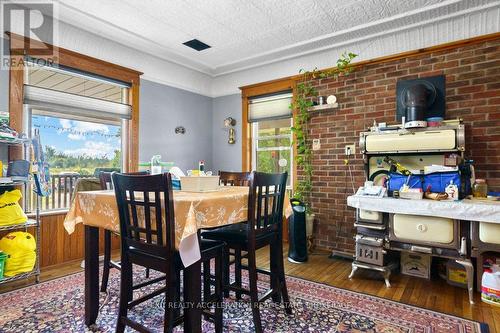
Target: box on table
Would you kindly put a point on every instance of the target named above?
(200, 183)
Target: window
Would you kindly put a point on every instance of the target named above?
(271, 120)
(80, 119)
(273, 146)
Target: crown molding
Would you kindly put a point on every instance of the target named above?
(438, 12)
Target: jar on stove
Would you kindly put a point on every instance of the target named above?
(480, 189)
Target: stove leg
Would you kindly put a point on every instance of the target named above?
(354, 269)
(469, 270)
(387, 274)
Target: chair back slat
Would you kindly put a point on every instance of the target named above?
(107, 182)
(228, 178)
(265, 203)
(147, 217)
(158, 220)
(105, 179)
(146, 209)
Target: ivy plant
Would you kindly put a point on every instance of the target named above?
(305, 94)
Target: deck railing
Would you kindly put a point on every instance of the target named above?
(62, 187)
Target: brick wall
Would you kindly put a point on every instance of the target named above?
(472, 93)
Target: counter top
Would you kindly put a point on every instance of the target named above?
(467, 209)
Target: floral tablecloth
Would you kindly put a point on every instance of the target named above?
(193, 211)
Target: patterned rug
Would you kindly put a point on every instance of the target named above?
(58, 306)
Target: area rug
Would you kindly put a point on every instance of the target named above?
(58, 306)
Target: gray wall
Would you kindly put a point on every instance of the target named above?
(162, 108)
(226, 156)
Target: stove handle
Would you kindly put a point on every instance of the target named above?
(375, 227)
(421, 249)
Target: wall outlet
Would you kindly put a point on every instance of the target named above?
(316, 144)
(350, 150)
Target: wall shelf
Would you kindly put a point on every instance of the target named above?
(27, 224)
(13, 142)
(34, 272)
(324, 107)
(33, 223)
(14, 183)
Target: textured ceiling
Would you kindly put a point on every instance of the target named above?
(248, 33)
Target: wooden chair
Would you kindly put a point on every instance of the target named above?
(148, 240)
(229, 178)
(107, 184)
(263, 228)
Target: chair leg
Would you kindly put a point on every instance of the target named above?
(107, 260)
(125, 287)
(218, 292)
(226, 268)
(171, 298)
(281, 276)
(237, 271)
(206, 281)
(274, 268)
(254, 294)
(177, 309)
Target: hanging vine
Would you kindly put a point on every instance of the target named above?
(303, 101)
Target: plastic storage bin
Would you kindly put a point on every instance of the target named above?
(490, 286)
(397, 180)
(437, 181)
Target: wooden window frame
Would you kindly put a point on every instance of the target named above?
(19, 49)
(248, 92)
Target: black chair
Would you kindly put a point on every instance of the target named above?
(147, 232)
(107, 184)
(263, 228)
(229, 178)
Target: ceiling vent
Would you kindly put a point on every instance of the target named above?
(197, 45)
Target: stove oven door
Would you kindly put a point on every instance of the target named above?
(424, 230)
(369, 216)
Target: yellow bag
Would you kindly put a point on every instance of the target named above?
(10, 210)
(21, 250)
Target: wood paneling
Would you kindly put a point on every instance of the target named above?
(57, 247)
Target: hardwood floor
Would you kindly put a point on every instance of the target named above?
(435, 295)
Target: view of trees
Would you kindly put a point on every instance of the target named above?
(85, 165)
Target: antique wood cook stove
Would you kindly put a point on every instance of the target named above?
(380, 235)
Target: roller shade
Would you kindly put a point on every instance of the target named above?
(74, 105)
(270, 107)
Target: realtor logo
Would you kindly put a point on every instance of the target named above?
(34, 20)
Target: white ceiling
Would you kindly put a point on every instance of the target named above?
(245, 34)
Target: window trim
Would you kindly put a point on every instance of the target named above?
(19, 49)
(248, 92)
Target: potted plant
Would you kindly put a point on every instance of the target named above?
(303, 101)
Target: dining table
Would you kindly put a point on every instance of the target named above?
(193, 211)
